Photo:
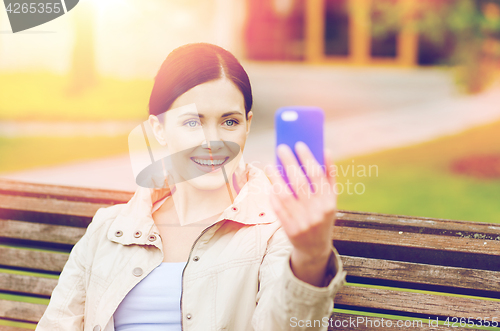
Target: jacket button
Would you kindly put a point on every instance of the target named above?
(196, 258)
(188, 316)
(152, 237)
(97, 328)
(137, 234)
(118, 234)
(137, 272)
(234, 209)
(262, 214)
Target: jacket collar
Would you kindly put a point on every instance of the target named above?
(134, 224)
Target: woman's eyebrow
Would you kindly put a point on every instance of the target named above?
(231, 113)
(192, 114)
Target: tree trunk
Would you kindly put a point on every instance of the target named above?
(82, 75)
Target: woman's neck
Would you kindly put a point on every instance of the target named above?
(191, 205)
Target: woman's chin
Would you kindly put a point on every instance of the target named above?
(208, 182)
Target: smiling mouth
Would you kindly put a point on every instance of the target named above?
(209, 163)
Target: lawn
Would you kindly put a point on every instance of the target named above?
(418, 180)
(415, 180)
(30, 152)
(42, 96)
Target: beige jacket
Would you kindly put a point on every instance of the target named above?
(238, 275)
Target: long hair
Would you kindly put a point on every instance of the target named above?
(191, 65)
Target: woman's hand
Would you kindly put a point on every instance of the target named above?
(308, 217)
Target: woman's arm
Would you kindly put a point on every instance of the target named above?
(287, 303)
(67, 302)
(308, 213)
(66, 308)
(299, 294)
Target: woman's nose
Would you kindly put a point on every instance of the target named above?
(212, 139)
(213, 145)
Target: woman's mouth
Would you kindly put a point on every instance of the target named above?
(208, 165)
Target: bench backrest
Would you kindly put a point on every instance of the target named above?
(397, 265)
(39, 224)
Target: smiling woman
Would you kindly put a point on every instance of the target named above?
(217, 249)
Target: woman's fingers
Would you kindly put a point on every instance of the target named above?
(290, 211)
(312, 168)
(296, 177)
(331, 171)
(331, 177)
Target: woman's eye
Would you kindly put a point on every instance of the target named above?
(231, 122)
(191, 124)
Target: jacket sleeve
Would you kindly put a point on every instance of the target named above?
(285, 302)
(66, 308)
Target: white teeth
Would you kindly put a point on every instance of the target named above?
(209, 162)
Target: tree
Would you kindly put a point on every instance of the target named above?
(83, 73)
(474, 26)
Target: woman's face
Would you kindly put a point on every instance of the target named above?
(205, 130)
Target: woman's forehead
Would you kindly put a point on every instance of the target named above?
(215, 96)
(205, 111)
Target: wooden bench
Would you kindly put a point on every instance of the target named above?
(397, 266)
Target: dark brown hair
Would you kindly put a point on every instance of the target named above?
(191, 65)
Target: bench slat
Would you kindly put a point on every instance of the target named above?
(422, 273)
(32, 259)
(40, 232)
(51, 206)
(23, 311)
(416, 240)
(64, 192)
(12, 328)
(366, 326)
(27, 284)
(419, 303)
(424, 225)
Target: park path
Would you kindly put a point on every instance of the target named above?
(391, 110)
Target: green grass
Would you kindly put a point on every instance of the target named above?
(417, 180)
(31, 152)
(43, 96)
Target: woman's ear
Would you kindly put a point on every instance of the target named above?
(249, 121)
(158, 129)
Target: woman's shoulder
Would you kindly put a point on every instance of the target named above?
(103, 218)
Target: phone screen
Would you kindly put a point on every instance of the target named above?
(304, 124)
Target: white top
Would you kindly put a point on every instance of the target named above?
(154, 303)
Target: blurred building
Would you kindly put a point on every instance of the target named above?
(336, 31)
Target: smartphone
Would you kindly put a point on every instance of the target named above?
(299, 123)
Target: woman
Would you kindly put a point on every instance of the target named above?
(225, 248)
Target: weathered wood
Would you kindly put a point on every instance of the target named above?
(424, 225)
(418, 273)
(27, 284)
(64, 192)
(23, 311)
(12, 328)
(51, 206)
(32, 259)
(368, 323)
(40, 232)
(416, 240)
(384, 300)
(418, 248)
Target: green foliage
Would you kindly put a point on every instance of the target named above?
(473, 26)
